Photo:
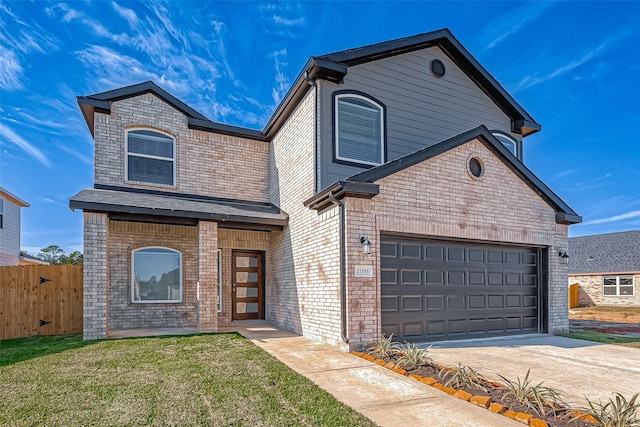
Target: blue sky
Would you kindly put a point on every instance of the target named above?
(574, 66)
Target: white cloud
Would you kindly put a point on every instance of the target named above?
(536, 79)
(615, 218)
(84, 159)
(10, 70)
(509, 24)
(8, 134)
(280, 20)
(127, 14)
(282, 81)
(565, 173)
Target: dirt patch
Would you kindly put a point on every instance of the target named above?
(606, 314)
(613, 328)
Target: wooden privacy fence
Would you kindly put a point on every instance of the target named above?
(40, 300)
(574, 292)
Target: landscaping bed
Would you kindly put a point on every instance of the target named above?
(523, 399)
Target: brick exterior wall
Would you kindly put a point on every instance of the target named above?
(124, 237)
(303, 263)
(207, 277)
(207, 163)
(590, 291)
(95, 276)
(438, 197)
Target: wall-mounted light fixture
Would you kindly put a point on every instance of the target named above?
(366, 245)
(564, 257)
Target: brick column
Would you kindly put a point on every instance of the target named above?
(95, 276)
(208, 276)
(363, 293)
(558, 284)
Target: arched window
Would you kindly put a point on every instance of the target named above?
(508, 141)
(150, 157)
(156, 275)
(359, 129)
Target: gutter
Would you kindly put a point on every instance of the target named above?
(343, 287)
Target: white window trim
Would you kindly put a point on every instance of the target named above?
(219, 281)
(1, 213)
(133, 277)
(148, 156)
(337, 134)
(617, 294)
(498, 135)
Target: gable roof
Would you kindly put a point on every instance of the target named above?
(101, 102)
(605, 253)
(5, 194)
(564, 214)
(332, 67)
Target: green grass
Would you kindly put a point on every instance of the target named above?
(217, 380)
(605, 338)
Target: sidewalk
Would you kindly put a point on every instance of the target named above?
(387, 398)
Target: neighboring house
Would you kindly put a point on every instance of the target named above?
(386, 194)
(26, 259)
(10, 205)
(607, 268)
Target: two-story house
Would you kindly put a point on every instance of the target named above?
(10, 205)
(386, 194)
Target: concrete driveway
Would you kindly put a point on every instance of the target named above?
(578, 368)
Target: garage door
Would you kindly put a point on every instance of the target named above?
(439, 290)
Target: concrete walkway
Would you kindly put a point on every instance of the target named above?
(578, 368)
(387, 398)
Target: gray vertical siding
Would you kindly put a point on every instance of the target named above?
(421, 109)
(10, 233)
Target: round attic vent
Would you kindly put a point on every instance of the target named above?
(476, 168)
(437, 68)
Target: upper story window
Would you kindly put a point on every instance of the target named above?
(157, 275)
(1, 212)
(150, 157)
(508, 141)
(359, 130)
(617, 286)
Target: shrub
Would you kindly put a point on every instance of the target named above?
(540, 399)
(618, 412)
(463, 377)
(383, 347)
(411, 356)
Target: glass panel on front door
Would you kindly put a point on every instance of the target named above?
(248, 285)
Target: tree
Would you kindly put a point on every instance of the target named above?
(53, 254)
(74, 258)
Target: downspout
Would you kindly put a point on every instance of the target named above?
(343, 288)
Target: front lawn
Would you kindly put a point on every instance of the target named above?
(605, 338)
(217, 379)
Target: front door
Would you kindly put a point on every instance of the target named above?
(248, 285)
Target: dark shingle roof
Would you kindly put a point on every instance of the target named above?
(164, 204)
(605, 253)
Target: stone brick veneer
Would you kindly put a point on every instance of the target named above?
(207, 163)
(591, 290)
(124, 237)
(95, 276)
(303, 263)
(438, 197)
